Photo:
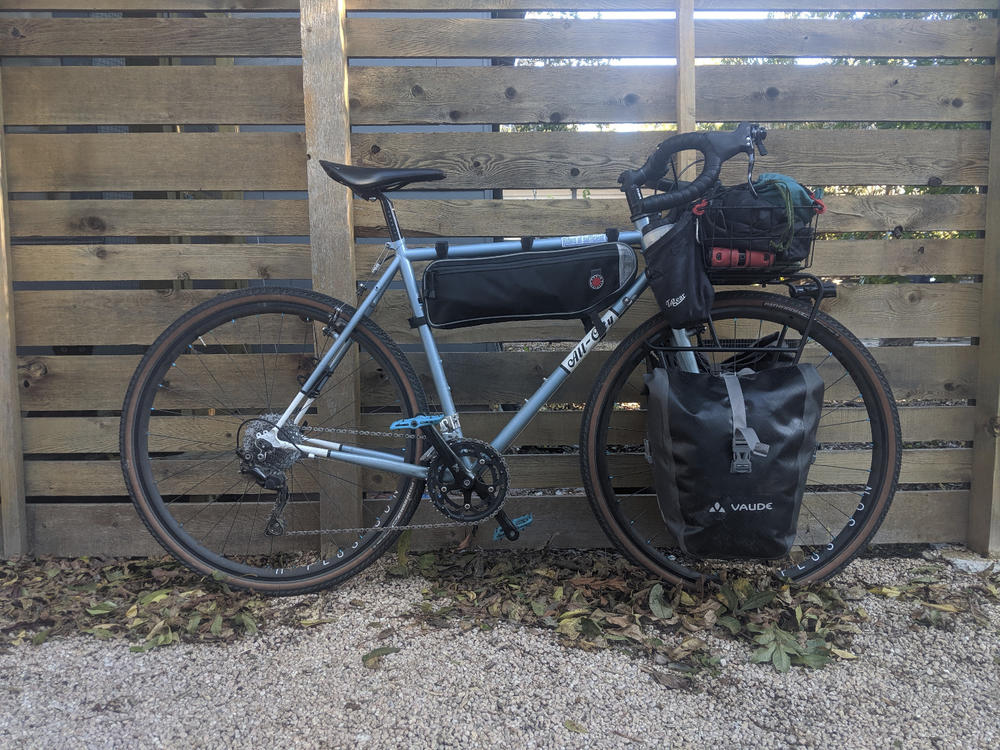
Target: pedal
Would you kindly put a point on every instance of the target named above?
(511, 528)
(415, 423)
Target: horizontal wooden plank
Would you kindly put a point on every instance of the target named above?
(790, 5)
(522, 94)
(907, 310)
(155, 261)
(78, 529)
(485, 5)
(70, 383)
(110, 262)
(100, 434)
(158, 161)
(368, 37)
(872, 310)
(566, 521)
(276, 161)
(890, 257)
(831, 467)
(181, 94)
(155, 218)
(229, 6)
(898, 257)
(143, 37)
(777, 93)
(542, 159)
(481, 38)
(549, 470)
(451, 218)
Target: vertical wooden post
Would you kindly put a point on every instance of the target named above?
(984, 507)
(13, 516)
(685, 77)
(331, 225)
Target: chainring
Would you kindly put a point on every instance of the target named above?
(469, 499)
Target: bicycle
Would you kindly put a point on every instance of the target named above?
(231, 422)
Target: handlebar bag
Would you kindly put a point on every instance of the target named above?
(676, 271)
(779, 218)
(546, 284)
(730, 455)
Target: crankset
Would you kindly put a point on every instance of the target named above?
(475, 493)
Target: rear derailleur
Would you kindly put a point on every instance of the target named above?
(265, 460)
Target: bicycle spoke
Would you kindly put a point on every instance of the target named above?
(624, 428)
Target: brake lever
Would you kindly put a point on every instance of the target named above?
(750, 164)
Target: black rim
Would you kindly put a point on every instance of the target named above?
(239, 362)
(851, 468)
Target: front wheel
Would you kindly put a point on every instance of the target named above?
(849, 486)
(223, 374)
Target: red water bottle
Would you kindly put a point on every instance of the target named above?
(727, 257)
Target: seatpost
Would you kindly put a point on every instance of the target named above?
(390, 217)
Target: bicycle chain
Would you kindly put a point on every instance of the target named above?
(406, 527)
(363, 433)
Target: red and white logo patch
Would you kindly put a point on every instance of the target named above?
(596, 280)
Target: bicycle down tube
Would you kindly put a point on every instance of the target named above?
(402, 263)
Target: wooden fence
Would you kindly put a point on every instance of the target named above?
(118, 202)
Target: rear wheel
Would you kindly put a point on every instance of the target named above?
(229, 368)
(849, 486)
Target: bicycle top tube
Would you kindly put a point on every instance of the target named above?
(479, 249)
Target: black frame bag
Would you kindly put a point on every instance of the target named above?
(545, 284)
(730, 455)
(676, 271)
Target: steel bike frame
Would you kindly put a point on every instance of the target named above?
(401, 262)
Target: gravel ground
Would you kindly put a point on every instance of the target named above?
(911, 686)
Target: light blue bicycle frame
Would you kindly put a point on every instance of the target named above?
(401, 262)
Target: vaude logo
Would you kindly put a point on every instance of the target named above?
(674, 301)
(751, 506)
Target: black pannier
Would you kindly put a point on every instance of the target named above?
(775, 221)
(546, 284)
(675, 271)
(730, 455)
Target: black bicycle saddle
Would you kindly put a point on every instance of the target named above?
(368, 182)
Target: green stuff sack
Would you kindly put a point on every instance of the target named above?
(778, 219)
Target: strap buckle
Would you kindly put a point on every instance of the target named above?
(741, 457)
